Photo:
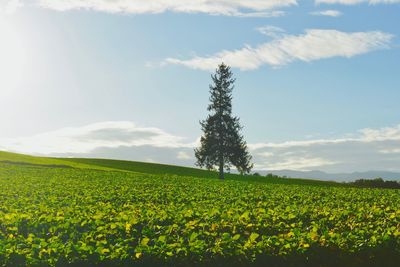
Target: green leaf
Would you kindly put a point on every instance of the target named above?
(236, 237)
(253, 237)
(144, 241)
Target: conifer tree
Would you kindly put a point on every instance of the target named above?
(222, 145)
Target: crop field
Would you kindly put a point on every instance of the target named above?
(69, 216)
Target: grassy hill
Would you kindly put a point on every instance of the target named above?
(21, 159)
(143, 167)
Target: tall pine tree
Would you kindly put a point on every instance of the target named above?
(222, 145)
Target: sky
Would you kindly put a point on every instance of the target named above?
(317, 82)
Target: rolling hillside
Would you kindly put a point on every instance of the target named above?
(143, 167)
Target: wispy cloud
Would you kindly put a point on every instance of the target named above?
(183, 155)
(364, 135)
(240, 8)
(390, 151)
(368, 149)
(271, 31)
(328, 13)
(354, 2)
(10, 6)
(313, 45)
(88, 138)
(296, 163)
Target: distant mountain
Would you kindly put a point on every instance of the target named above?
(340, 177)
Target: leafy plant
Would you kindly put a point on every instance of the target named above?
(64, 216)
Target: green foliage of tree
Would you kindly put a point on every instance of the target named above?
(376, 183)
(222, 145)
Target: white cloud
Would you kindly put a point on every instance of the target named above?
(264, 14)
(10, 6)
(313, 45)
(329, 13)
(295, 163)
(370, 149)
(387, 133)
(94, 136)
(241, 8)
(354, 2)
(271, 31)
(390, 151)
(364, 135)
(183, 155)
(265, 154)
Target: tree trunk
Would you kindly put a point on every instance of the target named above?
(221, 169)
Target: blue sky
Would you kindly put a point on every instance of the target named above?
(317, 82)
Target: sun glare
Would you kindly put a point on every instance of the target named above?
(12, 58)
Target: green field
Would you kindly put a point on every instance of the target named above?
(93, 212)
